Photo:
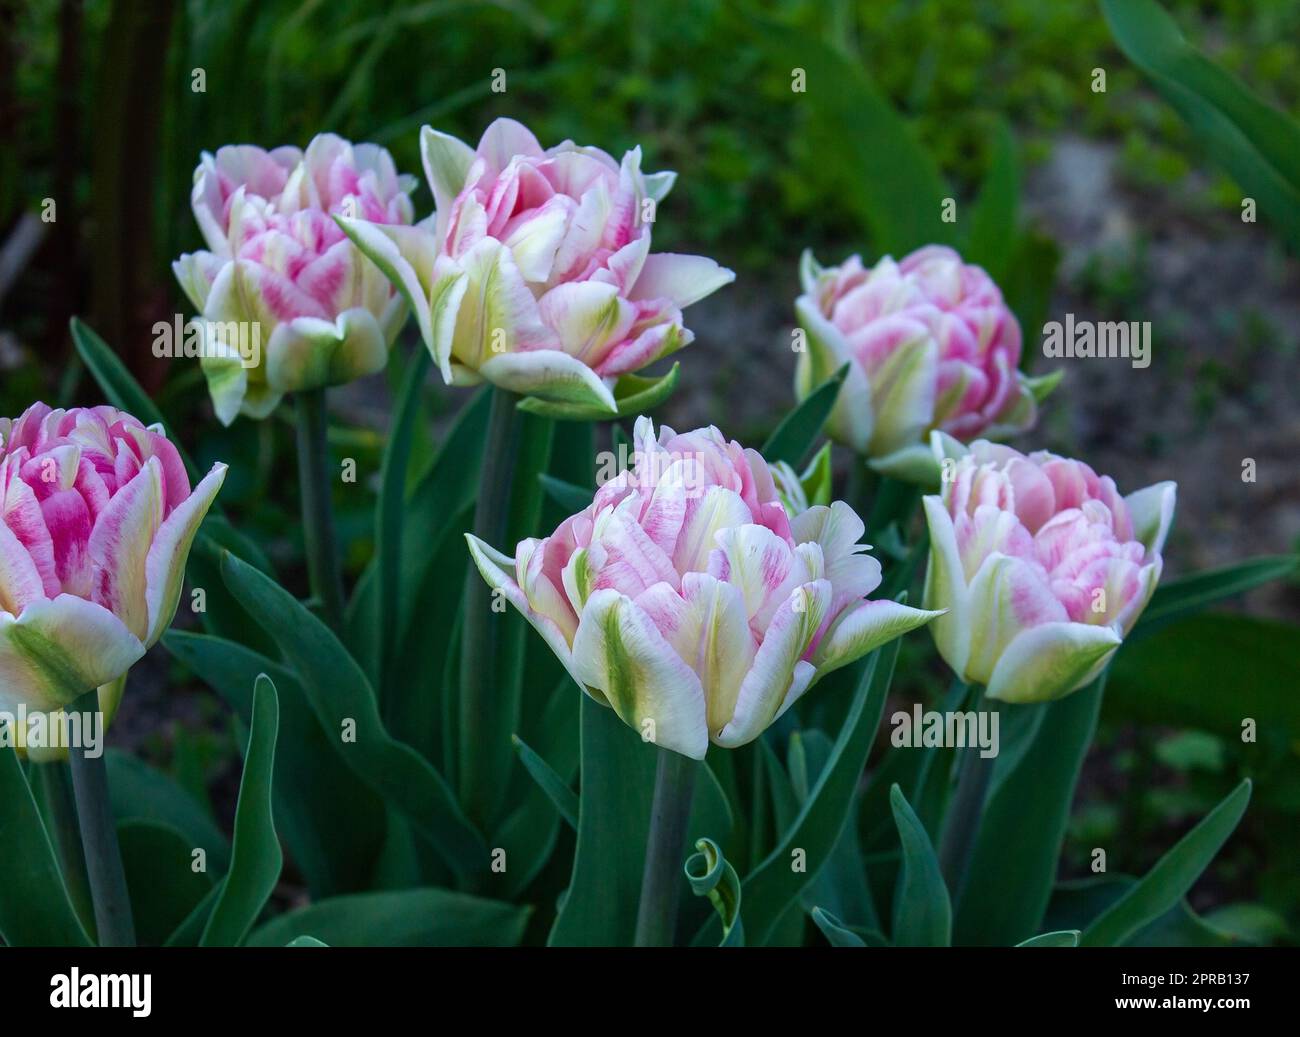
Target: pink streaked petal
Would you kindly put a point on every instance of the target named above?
(119, 548)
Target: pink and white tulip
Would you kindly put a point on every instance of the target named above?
(689, 599)
(277, 260)
(931, 345)
(536, 273)
(96, 522)
(1042, 567)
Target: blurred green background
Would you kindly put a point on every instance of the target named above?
(1121, 213)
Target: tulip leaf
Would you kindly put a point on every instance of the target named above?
(330, 820)
(1258, 145)
(771, 888)
(840, 934)
(423, 917)
(160, 877)
(617, 776)
(1172, 876)
(190, 931)
(633, 394)
(710, 875)
(922, 909)
(895, 184)
(344, 703)
(992, 219)
(389, 514)
(1013, 865)
(557, 791)
(255, 857)
(1211, 671)
(1060, 938)
(1197, 590)
(569, 497)
(794, 437)
(35, 909)
(1076, 903)
(142, 793)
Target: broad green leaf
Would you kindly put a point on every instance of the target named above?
(710, 875)
(331, 821)
(34, 905)
(568, 496)
(617, 779)
(557, 790)
(255, 857)
(160, 877)
(1060, 938)
(1076, 903)
(404, 918)
(993, 233)
(190, 931)
(1197, 590)
(773, 886)
(836, 932)
(1211, 671)
(1010, 874)
(1258, 145)
(922, 910)
(1166, 883)
(344, 703)
(898, 189)
(140, 792)
(389, 515)
(798, 431)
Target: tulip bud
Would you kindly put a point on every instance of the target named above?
(689, 599)
(536, 274)
(931, 345)
(96, 522)
(283, 276)
(1042, 567)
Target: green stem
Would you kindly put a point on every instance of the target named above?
(99, 836)
(317, 508)
(665, 851)
(974, 774)
(483, 633)
(67, 835)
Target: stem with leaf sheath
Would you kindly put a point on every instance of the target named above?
(483, 633)
(662, 880)
(323, 568)
(99, 835)
(962, 824)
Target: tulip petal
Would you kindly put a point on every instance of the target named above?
(406, 256)
(1007, 595)
(165, 566)
(1048, 661)
(852, 419)
(620, 651)
(20, 579)
(864, 629)
(309, 353)
(447, 163)
(682, 280)
(945, 588)
(719, 508)
(1152, 511)
(59, 649)
(551, 375)
(779, 674)
(119, 548)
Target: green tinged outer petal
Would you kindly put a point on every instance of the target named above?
(945, 588)
(165, 565)
(1051, 660)
(59, 649)
(1152, 510)
(864, 629)
(550, 375)
(618, 650)
(852, 419)
(310, 353)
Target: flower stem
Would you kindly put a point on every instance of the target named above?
(67, 836)
(317, 509)
(662, 880)
(962, 824)
(483, 633)
(99, 837)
